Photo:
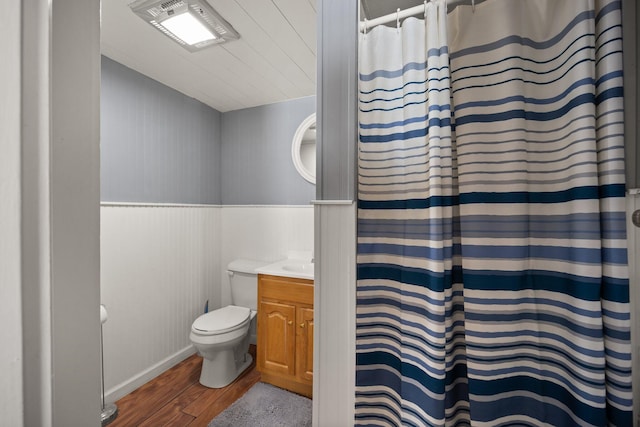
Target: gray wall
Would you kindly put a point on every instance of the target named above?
(157, 145)
(256, 152)
(160, 146)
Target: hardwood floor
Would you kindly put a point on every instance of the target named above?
(176, 398)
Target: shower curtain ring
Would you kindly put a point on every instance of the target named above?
(425, 8)
(398, 19)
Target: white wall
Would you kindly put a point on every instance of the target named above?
(161, 263)
(263, 233)
(159, 266)
(11, 405)
(36, 222)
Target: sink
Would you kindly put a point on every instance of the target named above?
(296, 268)
(306, 267)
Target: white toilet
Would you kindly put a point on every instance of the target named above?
(222, 336)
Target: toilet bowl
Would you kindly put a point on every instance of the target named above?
(222, 336)
(222, 339)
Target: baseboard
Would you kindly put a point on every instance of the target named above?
(147, 375)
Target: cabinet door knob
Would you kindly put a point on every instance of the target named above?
(290, 322)
(302, 325)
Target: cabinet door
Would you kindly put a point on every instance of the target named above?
(276, 337)
(304, 344)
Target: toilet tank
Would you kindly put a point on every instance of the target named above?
(243, 281)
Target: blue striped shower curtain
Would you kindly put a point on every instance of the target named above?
(492, 267)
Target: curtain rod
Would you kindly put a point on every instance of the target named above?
(415, 10)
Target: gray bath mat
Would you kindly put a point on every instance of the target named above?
(266, 406)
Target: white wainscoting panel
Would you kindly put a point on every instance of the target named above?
(334, 356)
(263, 233)
(159, 266)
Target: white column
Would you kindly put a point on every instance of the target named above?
(75, 212)
(334, 315)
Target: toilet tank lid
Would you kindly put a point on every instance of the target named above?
(247, 266)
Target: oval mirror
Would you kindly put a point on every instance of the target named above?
(303, 149)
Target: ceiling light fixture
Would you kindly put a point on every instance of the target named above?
(186, 27)
(193, 24)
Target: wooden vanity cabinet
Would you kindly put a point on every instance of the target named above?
(285, 332)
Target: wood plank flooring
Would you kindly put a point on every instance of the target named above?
(176, 398)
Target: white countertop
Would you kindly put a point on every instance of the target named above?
(296, 268)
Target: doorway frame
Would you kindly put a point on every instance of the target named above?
(59, 212)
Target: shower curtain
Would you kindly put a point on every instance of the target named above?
(492, 280)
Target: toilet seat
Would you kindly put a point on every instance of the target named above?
(221, 321)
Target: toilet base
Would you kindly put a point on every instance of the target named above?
(223, 369)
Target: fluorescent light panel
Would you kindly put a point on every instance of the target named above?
(188, 28)
(193, 24)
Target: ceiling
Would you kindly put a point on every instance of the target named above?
(274, 59)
